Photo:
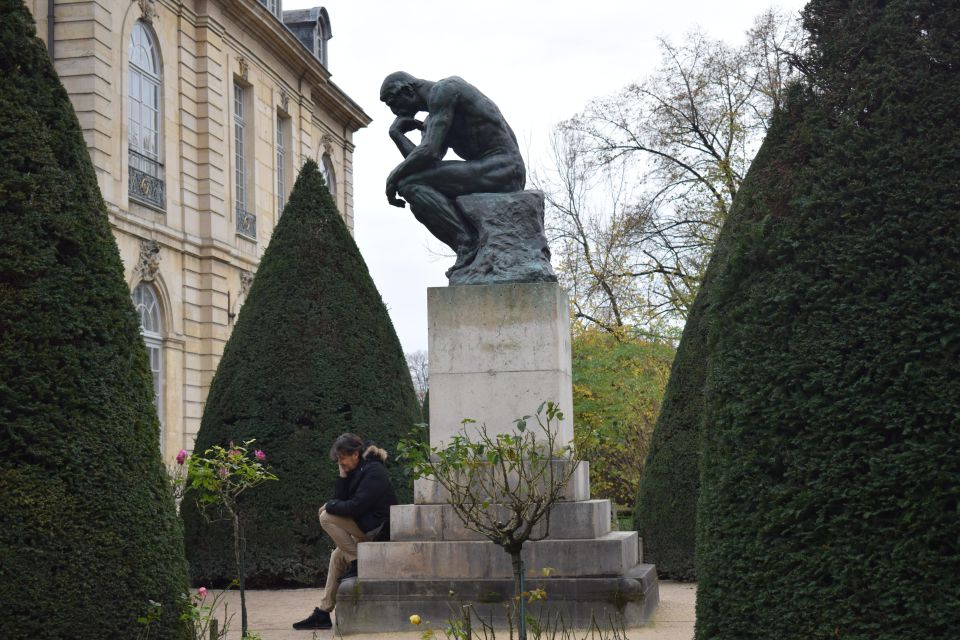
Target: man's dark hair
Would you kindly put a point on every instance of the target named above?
(345, 444)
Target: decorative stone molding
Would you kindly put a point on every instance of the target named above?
(285, 101)
(326, 141)
(149, 262)
(148, 10)
(246, 280)
(244, 68)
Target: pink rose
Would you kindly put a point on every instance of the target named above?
(181, 456)
(259, 455)
(202, 592)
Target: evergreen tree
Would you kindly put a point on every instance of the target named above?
(666, 510)
(829, 500)
(90, 534)
(313, 355)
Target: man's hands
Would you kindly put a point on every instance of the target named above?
(392, 198)
(401, 125)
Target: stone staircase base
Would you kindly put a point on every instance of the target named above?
(375, 605)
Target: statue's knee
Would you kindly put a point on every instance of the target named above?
(408, 190)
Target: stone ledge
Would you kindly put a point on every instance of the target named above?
(588, 519)
(372, 605)
(610, 555)
(427, 491)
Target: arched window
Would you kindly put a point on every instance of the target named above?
(146, 171)
(151, 328)
(326, 170)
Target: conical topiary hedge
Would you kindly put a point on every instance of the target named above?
(313, 355)
(665, 513)
(829, 498)
(89, 532)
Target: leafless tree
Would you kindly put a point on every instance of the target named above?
(419, 366)
(670, 153)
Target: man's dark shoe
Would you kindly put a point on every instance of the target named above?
(317, 620)
(351, 572)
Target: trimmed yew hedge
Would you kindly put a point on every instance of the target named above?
(830, 506)
(89, 532)
(665, 514)
(313, 355)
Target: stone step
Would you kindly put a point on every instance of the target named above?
(587, 519)
(370, 605)
(611, 554)
(429, 491)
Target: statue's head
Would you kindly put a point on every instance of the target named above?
(400, 92)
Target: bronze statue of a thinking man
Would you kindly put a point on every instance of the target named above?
(461, 118)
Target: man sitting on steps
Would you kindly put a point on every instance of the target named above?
(358, 512)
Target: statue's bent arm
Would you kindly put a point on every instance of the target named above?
(436, 126)
(398, 131)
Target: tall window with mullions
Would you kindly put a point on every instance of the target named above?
(146, 180)
(239, 133)
(281, 165)
(147, 304)
(246, 221)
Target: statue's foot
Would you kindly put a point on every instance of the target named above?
(465, 255)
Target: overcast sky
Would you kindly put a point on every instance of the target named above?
(540, 61)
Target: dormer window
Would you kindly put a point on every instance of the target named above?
(312, 28)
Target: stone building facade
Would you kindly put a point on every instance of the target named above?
(197, 115)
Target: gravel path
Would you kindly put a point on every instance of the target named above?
(273, 612)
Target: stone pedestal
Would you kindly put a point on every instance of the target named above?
(496, 353)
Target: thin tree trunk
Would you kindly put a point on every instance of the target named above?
(239, 550)
(518, 592)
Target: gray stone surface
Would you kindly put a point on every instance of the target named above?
(428, 491)
(612, 554)
(511, 243)
(497, 352)
(367, 605)
(438, 522)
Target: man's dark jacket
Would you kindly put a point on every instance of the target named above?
(366, 495)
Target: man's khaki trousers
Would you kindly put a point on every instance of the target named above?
(345, 534)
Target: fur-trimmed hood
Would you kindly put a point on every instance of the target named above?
(373, 452)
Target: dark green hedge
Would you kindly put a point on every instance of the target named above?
(313, 355)
(665, 513)
(89, 532)
(830, 506)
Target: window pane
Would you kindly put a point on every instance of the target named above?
(239, 128)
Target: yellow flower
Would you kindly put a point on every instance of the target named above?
(414, 619)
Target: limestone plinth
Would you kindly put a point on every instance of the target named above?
(496, 353)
